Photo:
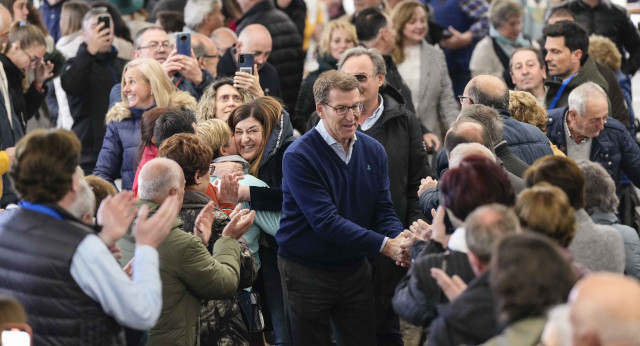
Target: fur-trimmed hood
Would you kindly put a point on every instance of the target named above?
(179, 99)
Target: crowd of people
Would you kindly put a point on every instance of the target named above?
(337, 192)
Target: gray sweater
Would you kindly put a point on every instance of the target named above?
(629, 237)
(597, 247)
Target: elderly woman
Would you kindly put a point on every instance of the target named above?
(423, 67)
(145, 85)
(524, 108)
(337, 36)
(523, 302)
(492, 53)
(220, 99)
(220, 320)
(601, 203)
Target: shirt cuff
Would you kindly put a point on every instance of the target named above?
(145, 256)
(384, 242)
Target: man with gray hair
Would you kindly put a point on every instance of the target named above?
(584, 131)
(203, 16)
(189, 273)
(89, 97)
(206, 53)
(604, 310)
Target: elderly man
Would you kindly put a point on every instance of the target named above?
(528, 72)
(469, 318)
(287, 55)
(185, 72)
(583, 131)
(223, 38)
(206, 53)
(324, 237)
(89, 97)
(526, 141)
(188, 271)
(604, 310)
(203, 16)
(45, 249)
(254, 39)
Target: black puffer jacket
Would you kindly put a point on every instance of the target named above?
(613, 22)
(25, 103)
(286, 52)
(306, 104)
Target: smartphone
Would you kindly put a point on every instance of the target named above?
(183, 43)
(245, 63)
(106, 20)
(16, 334)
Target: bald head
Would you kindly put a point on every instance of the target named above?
(487, 90)
(160, 178)
(206, 53)
(465, 131)
(255, 39)
(467, 149)
(5, 23)
(223, 38)
(605, 310)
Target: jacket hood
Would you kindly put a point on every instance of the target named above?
(326, 62)
(394, 104)
(281, 134)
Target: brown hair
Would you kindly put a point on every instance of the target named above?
(191, 153)
(524, 108)
(44, 164)
(545, 209)
(333, 79)
(267, 111)
(26, 36)
(101, 189)
(11, 311)
(207, 104)
(561, 172)
(147, 124)
(604, 51)
(71, 16)
(400, 15)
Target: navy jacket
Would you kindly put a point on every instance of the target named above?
(614, 148)
(525, 141)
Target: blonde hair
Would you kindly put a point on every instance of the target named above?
(214, 132)
(604, 51)
(400, 15)
(164, 92)
(71, 16)
(524, 108)
(545, 209)
(207, 105)
(26, 36)
(327, 31)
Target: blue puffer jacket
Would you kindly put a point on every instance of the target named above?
(525, 141)
(118, 154)
(614, 148)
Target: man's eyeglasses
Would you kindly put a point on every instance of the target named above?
(212, 56)
(362, 77)
(343, 110)
(462, 97)
(156, 46)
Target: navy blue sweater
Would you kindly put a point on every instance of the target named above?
(335, 214)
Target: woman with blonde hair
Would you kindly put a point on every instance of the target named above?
(337, 36)
(220, 99)
(524, 108)
(145, 85)
(424, 68)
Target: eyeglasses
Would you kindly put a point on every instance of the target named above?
(212, 56)
(343, 110)
(33, 60)
(156, 46)
(462, 97)
(362, 77)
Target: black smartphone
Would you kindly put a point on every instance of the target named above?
(245, 63)
(106, 20)
(183, 43)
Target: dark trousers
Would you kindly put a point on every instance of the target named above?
(314, 297)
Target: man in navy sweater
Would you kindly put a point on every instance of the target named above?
(337, 210)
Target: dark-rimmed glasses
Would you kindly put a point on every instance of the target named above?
(343, 110)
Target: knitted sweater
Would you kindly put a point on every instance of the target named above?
(335, 214)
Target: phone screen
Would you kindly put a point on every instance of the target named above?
(15, 337)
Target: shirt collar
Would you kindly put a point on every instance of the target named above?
(568, 132)
(374, 117)
(328, 138)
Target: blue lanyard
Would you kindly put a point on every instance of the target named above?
(560, 91)
(39, 208)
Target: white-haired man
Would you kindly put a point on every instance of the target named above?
(203, 16)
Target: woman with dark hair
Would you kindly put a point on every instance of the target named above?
(528, 275)
(147, 149)
(220, 320)
(24, 52)
(262, 133)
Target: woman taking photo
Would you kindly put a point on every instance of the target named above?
(424, 68)
(337, 36)
(262, 133)
(145, 85)
(25, 52)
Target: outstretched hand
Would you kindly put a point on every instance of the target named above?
(241, 221)
(204, 221)
(115, 215)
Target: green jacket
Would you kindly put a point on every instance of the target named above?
(588, 73)
(190, 274)
(526, 332)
